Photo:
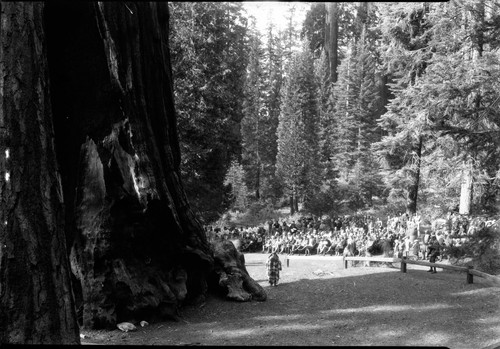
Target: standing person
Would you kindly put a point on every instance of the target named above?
(351, 247)
(277, 226)
(270, 227)
(387, 246)
(369, 248)
(273, 266)
(434, 251)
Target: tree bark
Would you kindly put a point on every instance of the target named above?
(478, 18)
(231, 277)
(296, 200)
(466, 189)
(331, 39)
(257, 181)
(137, 250)
(411, 205)
(36, 301)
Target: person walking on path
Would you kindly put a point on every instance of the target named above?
(273, 266)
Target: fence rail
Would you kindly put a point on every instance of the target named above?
(469, 270)
(492, 278)
(373, 259)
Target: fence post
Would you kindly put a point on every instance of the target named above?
(287, 262)
(403, 264)
(345, 263)
(470, 277)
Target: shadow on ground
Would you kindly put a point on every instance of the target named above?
(357, 306)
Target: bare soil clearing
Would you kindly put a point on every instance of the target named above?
(319, 303)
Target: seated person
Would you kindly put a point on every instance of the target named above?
(269, 244)
(331, 248)
(295, 245)
(303, 245)
(350, 248)
(311, 245)
(339, 249)
(324, 245)
(285, 245)
(277, 244)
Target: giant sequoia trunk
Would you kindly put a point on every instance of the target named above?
(36, 303)
(331, 39)
(137, 250)
(135, 247)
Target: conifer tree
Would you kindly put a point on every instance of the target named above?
(253, 130)
(291, 158)
(459, 92)
(407, 56)
(239, 191)
(261, 111)
(346, 123)
(446, 84)
(273, 81)
(310, 114)
(209, 60)
(326, 120)
(297, 161)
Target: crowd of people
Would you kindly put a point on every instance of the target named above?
(358, 235)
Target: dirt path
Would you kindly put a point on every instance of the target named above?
(319, 303)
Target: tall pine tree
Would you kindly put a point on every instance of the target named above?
(297, 130)
(253, 130)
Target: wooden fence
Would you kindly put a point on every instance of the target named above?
(312, 257)
(469, 270)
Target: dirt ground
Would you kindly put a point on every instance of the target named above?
(318, 302)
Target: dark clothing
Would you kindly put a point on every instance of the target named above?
(273, 266)
(387, 247)
(351, 248)
(434, 251)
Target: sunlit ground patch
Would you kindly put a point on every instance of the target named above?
(386, 308)
(243, 332)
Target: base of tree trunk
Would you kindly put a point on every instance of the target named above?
(230, 277)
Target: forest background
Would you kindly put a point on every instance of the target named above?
(374, 107)
(381, 107)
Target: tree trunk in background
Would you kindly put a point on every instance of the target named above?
(411, 204)
(466, 189)
(296, 200)
(137, 250)
(331, 39)
(257, 181)
(478, 18)
(36, 301)
(292, 205)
